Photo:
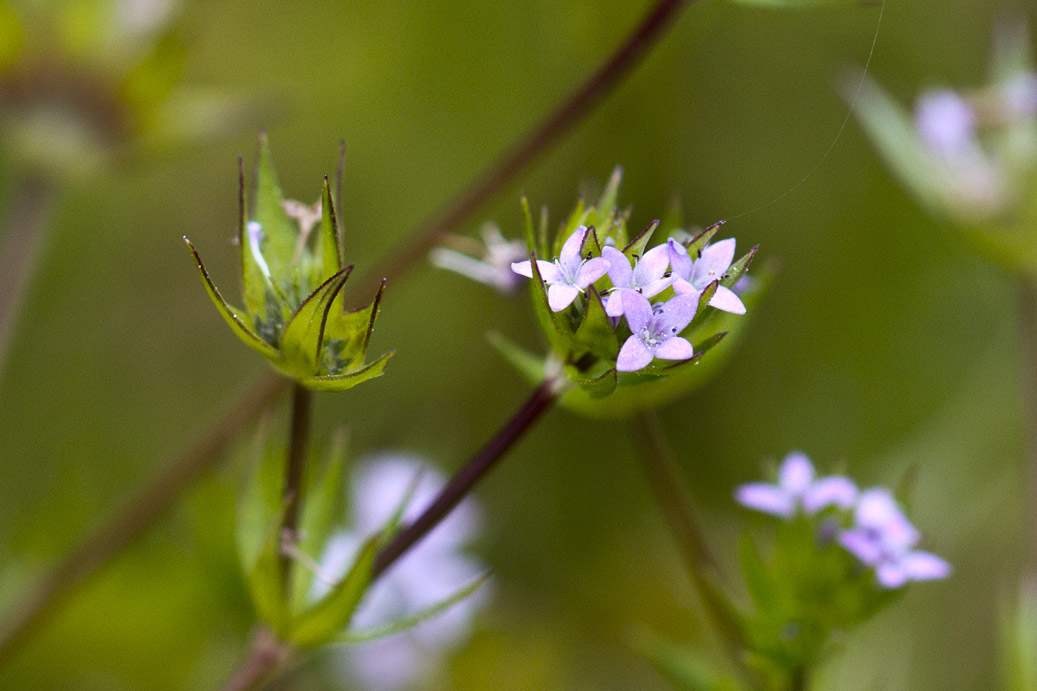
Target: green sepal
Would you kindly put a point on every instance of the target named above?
(341, 382)
(529, 365)
(576, 219)
(302, 344)
(755, 572)
(700, 241)
(595, 333)
(347, 335)
(596, 387)
(280, 233)
(555, 325)
(330, 252)
(324, 499)
(735, 272)
(536, 238)
(326, 619)
(636, 247)
(264, 578)
(260, 296)
(409, 622)
(237, 324)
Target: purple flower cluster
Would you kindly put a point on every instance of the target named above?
(655, 327)
(880, 535)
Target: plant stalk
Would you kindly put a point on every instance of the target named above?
(298, 445)
(266, 658)
(22, 237)
(542, 398)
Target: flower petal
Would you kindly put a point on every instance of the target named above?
(767, 498)
(679, 259)
(634, 355)
(652, 265)
(523, 268)
(590, 271)
(891, 574)
(713, 262)
(796, 474)
(656, 287)
(637, 309)
(560, 296)
(725, 299)
(861, 544)
(836, 490)
(924, 566)
(675, 314)
(620, 272)
(878, 511)
(569, 259)
(614, 305)
(675, 348)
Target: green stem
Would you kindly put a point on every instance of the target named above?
(298, 444)
(23, 232)
(266, 658)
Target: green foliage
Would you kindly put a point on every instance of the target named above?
(292, 285)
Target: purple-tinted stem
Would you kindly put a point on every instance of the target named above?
(266, 658)
(298, 443)
(465, 479)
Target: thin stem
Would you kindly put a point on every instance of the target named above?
(535, 142)
(302, 403)
(21, 241)
(144, 507)
(266, 658)
(1028, 372)
(670, 491)
(465, 479)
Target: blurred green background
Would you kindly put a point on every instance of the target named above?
(885, 344)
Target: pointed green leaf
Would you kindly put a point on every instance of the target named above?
(414, 619)
(738, 269)
(699, 242)
(330, 252)
(348, 334)
(302, 344)
(576, 219)
(326, 619)
(255, 285)
(756, 573)
(609, 196)
(264, 579)
(597, 387)
(687, 670)
(636, 247)
(230, 315)
(341, 382)
(280, 233)
(324, 499)
(261, 497)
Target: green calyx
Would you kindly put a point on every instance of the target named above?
(292, 281)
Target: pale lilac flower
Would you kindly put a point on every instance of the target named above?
(429, 573)
(647, 276)
(570, 274)
(255, 239)
(494, 266)
(797, 489)
(883, 538)
(945, 122)
(656, 330)
(692, 277)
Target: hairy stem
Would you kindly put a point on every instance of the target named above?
(465, 479)
(1028, 377)
(144, 507)
(298, 443)
(164, 490)
(21, 240)
(536, 141)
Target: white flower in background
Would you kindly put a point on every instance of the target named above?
(431, 572)
(493, 267)
(797, 489)
(883, 538)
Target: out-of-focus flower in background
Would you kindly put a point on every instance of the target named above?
(488, 262)
(433, 571)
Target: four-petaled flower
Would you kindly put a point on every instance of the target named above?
(570, 274)
(694, 276)
(883, 538)
(797, 489)
(646, 278)
(656, 330)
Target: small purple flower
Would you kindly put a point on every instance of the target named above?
(493, 268)
(646, 278)
(797, 489)
(569, 275)
(656, 330)
(882, 537)
(692, 277)
(945, 122)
